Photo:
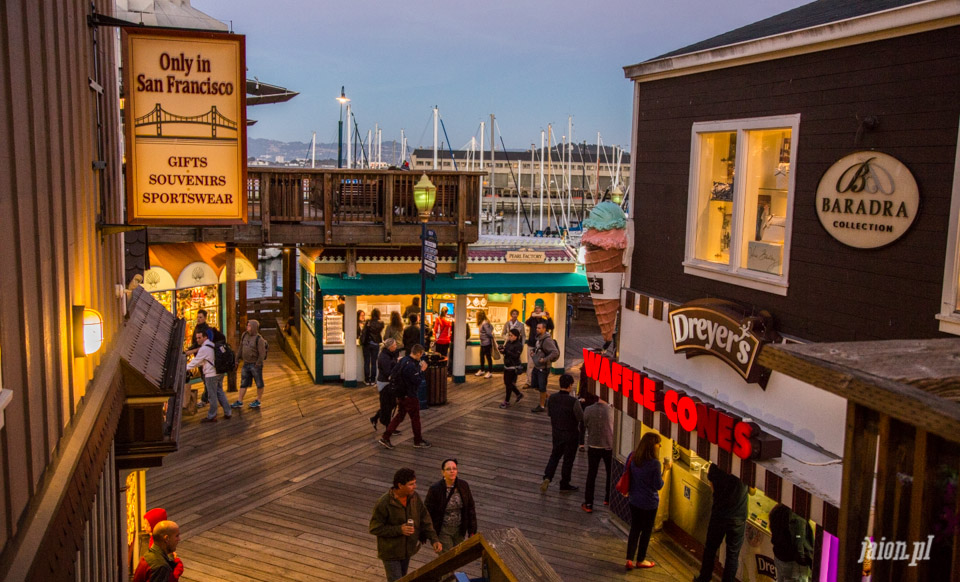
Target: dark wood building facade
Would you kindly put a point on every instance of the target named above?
(736, 140)
(60, 169)
(910, 84)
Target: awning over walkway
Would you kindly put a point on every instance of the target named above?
(409, 284)
(185, 265)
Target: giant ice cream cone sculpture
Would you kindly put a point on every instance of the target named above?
(605, 238)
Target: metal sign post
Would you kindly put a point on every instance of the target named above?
(428, 268)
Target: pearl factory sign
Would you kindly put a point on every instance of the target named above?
(867, 200)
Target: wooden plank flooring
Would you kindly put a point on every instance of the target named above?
(285, 492)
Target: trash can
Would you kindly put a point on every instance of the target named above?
(436, 379)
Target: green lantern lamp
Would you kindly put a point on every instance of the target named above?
(424, 196)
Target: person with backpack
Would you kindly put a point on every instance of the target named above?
(212, 378)
(792, 540)
(253, 351)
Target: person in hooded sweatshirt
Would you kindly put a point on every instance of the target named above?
(253, 350)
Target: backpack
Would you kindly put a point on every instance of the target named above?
(260, 338)
(224, 359)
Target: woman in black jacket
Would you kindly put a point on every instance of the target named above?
(451, 507)
(386, 363)
(370, 340)
(511, 365)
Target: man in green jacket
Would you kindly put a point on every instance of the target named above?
(400, 521)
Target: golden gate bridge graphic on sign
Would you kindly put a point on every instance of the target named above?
(158, 117)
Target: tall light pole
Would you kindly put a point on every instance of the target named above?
(342, 99)
(424, 197)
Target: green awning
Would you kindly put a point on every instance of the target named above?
(409, 284)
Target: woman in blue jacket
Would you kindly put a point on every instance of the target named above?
(646, 480)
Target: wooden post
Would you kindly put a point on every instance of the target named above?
(859, 460)
(896, 447)
(230, 330)
(265, 207)
(390, 181)
(921, 500)
(285, 302)
(328, 207)
(289, 284)
(351, 260)
(462, 258)
(242, 307)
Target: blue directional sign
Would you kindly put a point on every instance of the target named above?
(429, 254)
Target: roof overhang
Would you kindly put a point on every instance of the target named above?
(260, 93)
(896, 22)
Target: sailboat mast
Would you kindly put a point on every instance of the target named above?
(313, 151)
(597, 199)
(482, 128)
(493, 179)
(543, 154)
(436, 116)
(569, 169)
(349, 137)
(403, 147)
(549, 173)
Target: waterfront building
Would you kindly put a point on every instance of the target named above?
(797, 199)
(519, 170)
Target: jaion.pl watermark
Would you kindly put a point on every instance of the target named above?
(893, 550)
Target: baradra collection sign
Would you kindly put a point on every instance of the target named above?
(867, 200)
(185, 117)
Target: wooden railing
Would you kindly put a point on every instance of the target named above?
(337, 197)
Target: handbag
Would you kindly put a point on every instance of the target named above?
(496, 351)
(623, 484)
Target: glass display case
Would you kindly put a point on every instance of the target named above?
(192, 300)
(307, 299)
(332, 322)
(496, 307)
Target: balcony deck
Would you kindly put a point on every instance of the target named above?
(333, 207)
(285, 492)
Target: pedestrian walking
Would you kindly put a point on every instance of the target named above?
(512, 349)
(409, 378)
(646, 481)
(370, 339)
(535, 319)
(213, 334)
(545, 352)
(159, 562)
(253, 350)
(395, 328)
(153, 518)
(792, 540)
(486, 345)
(400, 520)
(386, 363)
(598, 422)
(728, 518)
(212, 382)
(443, 331)
(565, 416)
(451, 507)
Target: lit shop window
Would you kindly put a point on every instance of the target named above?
(949, 315)
(740, 201)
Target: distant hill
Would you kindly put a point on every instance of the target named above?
(291, 150)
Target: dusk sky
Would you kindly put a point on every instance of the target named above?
(529, 63)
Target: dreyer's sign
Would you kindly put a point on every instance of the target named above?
(728, 431)
(725, 330)
(867, 200)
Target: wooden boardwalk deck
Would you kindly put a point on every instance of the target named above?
(285, 492)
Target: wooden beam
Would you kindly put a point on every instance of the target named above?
(901, 401)
(859, 456)
(265, 207)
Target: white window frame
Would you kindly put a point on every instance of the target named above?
(949, 316)
(734, 273)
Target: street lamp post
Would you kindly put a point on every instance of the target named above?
(342, 99)
(424, 197)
